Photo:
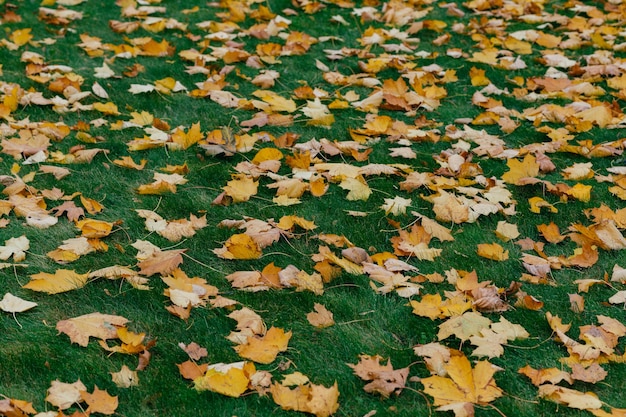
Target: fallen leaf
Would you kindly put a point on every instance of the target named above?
(63, 395)
(62, 280)
(81, 328)
(99, 401)
(13, 304)
(463, 387)
(125, 377)
(320, 318)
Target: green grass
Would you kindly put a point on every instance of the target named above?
(32, 353)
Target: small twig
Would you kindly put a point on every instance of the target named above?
(275, 253)
(352, 321)
(430, 411)
(529, 347)
(158, 204)
(203, 264)
(497, 410)
(173, 246)
(15, 318)
(341, 285)
(17, 279)
(522, 399)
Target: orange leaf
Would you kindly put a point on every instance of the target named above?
(550, 232)
(99, 401)
(192, 370)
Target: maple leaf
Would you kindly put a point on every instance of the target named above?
(241, 188)
(465, 326)
(99, 401)
(320, 318)
(226, 379)
(81, 328)
(161, 262)
(264, 349)
(191, 370)
(63, 395)
(528, 168)
(15, 247)
(194, 350)
(125, 377)
(463, 386)
(396, 206)
(239, 246)
(308, 397)
(384, 379)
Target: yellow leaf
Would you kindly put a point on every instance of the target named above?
(309, 398)
(264, 349)
(127, 162)
(92, 206)
(63, 280)
(493, 251)
(506, 231)
(21, 36)
(239, 246)
(276, 102)
(267, 154)
(288, 222)
(580, 192)
(157, 188)
(463, 385)
(518, 46)
(109, 108)
(226, 379)
(91, 228)
(569, 397)
(241, 188)
(518, 170)
(465, 326)
(478, 77)
(125, 378)
(359, 190)
(536, 203)
(182, 140)
(550, 232)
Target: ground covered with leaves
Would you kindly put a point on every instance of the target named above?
(342, 208)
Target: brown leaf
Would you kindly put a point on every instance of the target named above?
(162, 262)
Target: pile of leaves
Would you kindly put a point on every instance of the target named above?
(212, 154)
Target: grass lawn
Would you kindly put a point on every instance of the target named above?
(254, 208)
